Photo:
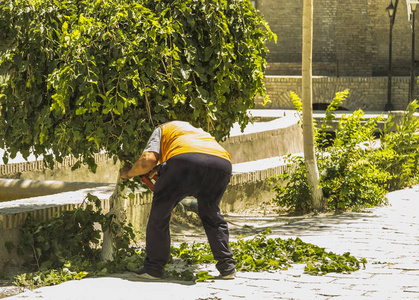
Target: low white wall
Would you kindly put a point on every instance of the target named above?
(265, 139)
(259, 140)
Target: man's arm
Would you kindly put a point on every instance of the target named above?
(146, 162)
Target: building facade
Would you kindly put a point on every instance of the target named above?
(350, 38)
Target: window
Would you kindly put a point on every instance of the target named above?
(254, 3)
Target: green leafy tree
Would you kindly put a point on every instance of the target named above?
(85, 76)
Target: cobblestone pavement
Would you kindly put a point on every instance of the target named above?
(388, 237)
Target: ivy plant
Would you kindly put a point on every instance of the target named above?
(70, 238)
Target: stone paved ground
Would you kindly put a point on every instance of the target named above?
(388, 237)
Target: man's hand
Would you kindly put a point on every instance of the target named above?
(146, 163)
(153, 172)
(123, 173)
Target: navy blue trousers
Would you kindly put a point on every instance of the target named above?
(204, 177)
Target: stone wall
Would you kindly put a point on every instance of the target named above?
(282, 137)
(13, 218)
(106, 171)
(350, 38)
(366, 93)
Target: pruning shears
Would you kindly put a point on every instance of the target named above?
(149, 181)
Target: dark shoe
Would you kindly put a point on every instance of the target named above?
(231, 275)
(141, 272)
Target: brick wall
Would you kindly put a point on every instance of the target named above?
(367, 93)
(351, 38)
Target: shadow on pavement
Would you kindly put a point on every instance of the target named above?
(241, 225)
(132, 277)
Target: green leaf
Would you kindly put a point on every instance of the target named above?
(208, 52)
(132, 266)
(9, 246)
(203, 276)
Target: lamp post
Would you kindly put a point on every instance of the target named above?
(390, 9)
(413, 6)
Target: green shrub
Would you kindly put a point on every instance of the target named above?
(348, 180)
(354, 169)
(399, 151)
(67, 247)
(296, 191)
(348, 174)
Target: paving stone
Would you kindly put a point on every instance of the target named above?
(387, 236)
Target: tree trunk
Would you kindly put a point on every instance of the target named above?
(308, 128)
(117, 213)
